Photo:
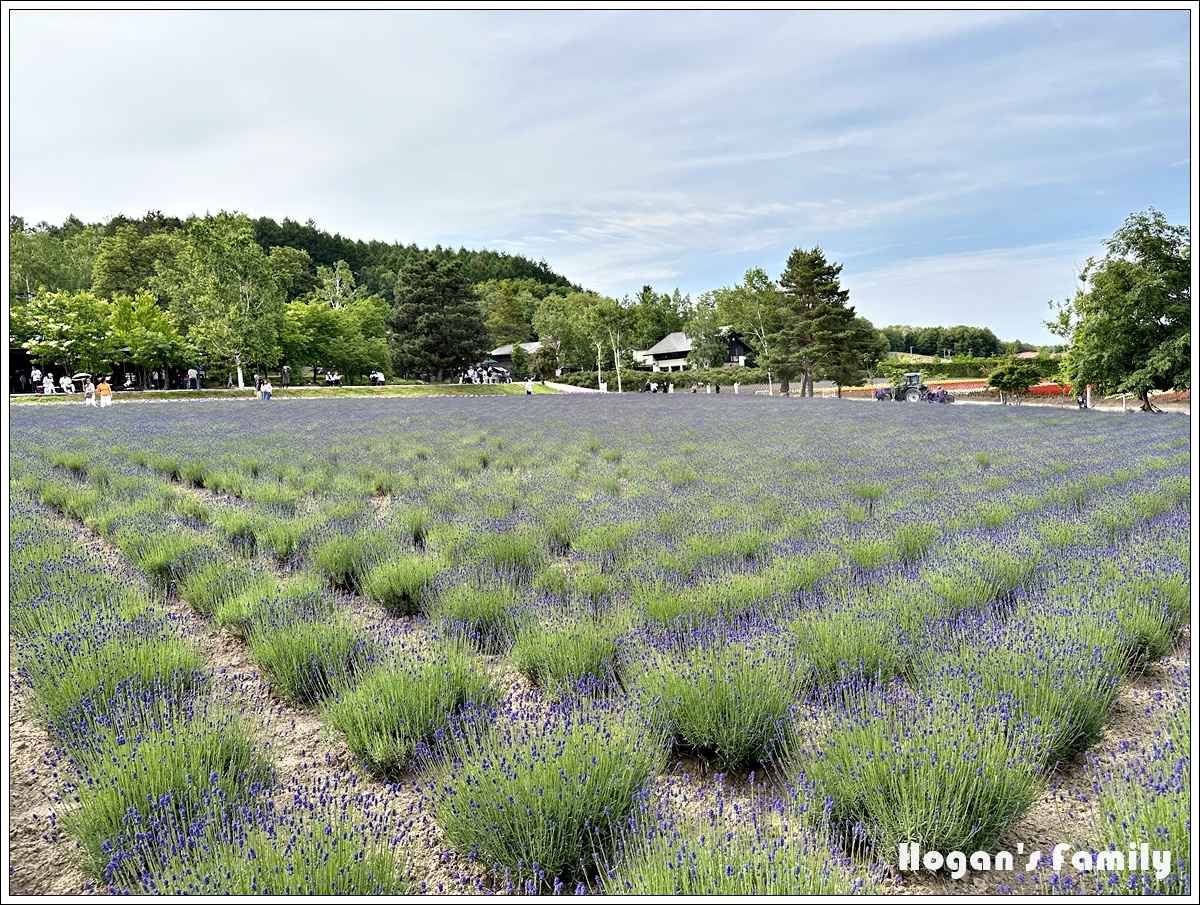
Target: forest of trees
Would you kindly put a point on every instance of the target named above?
(244, 295)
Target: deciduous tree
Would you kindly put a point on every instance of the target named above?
(225, 293)
(1013, 377)
(752, 309)
(1130, 329)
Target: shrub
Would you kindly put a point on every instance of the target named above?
(307, 659)
(487, 616)
(843, 643)
(402, 586)
(543, 800)
(556, 656)
(726, 700)
(405, 701)
(729, 851)
(161, 776)
(935, 771)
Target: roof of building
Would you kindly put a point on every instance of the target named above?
(672, 343)
(507, 349)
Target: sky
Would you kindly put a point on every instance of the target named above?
(960, 166)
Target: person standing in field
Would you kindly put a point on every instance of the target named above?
(35, 377)
(529, 385)
(89, 393)
(193, 379)
(285, 376)
(266, 389)
(105, 392)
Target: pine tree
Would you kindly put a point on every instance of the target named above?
(815, 323)
(437, 326)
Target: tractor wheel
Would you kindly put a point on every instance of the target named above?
(912, 394)
(949, 397)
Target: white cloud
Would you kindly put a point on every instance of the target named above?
(1006, 289)
(623, 147)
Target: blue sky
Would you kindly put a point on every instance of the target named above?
(961, 166)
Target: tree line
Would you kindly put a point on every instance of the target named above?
(243, 294)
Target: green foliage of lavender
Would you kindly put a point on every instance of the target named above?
(487, 616)
(307, 659)
(741, 850)
(560, 652)
(98, 657)
(543, 799)
(169, 772)
(937, 770)
(1148, 799)
(845, 642)
(404, 586)
(725, 698)
(404, 701)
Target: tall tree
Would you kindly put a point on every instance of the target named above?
(654, 315)
(704, 329)
(752, 309)
(126, 262)
(1130, 330)
(862, 348)
(437, 325)
(815, 322)
(225, 293)
(71, 329)
(139, 324)
(508, 311)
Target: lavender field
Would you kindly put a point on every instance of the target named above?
(643, 645)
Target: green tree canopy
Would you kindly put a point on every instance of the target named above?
(67, 328)
(1130, 329)
(225, 293)
(704, 329)
(855, 357)
(1014, 377)
(437, 325)
(655, 315)
(815, 324)
(752, 309)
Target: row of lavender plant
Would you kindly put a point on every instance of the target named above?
(168, 778)
(506, 566)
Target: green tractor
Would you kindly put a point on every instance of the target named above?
(912, 389)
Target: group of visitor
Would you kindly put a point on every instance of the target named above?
(481, 374)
